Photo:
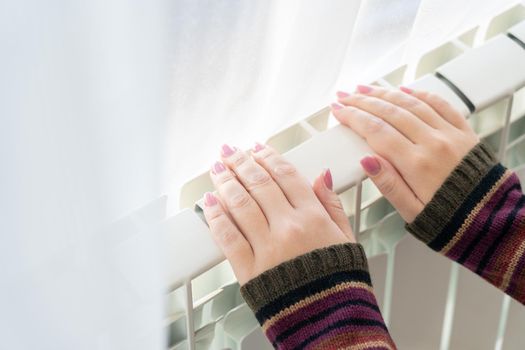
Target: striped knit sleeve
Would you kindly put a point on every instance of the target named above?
(477, 218)
(319, 300)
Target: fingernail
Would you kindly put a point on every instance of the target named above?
(258, 147)
(227, 150)
(406, 90)
(364, 89)
(209, 199)
(327, 177)
(336, 106)
(218, 167)
(342, 94)
(371, 165)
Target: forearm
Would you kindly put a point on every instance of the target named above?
(322, 299)
(477, 218)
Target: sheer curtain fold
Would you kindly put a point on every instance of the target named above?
(243, 70)
(83, 105)
(105, 106)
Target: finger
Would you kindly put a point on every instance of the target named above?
(393, 187)
(441, 106)
(403, 100)
(380, 136)
(227, 236)
(242, 207)
(257, 182)
(295, 186)
(330, 201)
(413, 128)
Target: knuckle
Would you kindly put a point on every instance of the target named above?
(387, 185)
(336, 204)
(425, 95)
(292, 228)
(374, 124)
(410, 103)
(237, 159)
(265, 154)
(259, 178)
(381, 92)
(422, 164)
(284, 168)
(389, 109)
(228, 237)
(214, 216)
(224, 177)
(438, 102)
(239, 200)
(332, 202)
(219, 226)
(441, 145)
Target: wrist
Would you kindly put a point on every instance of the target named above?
(463, 190)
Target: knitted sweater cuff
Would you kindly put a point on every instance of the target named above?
(451, 195)
(303, 270)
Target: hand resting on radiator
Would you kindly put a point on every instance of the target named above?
(292, 249)
(266, 212)
(418, 137)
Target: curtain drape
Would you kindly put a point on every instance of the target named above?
(242, 70)
(106, 105)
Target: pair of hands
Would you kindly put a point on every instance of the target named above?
(267, 213)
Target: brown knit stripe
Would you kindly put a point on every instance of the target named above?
(371, 345)
(357, 341)
(507, 277)
(474, 213)
(316, 297)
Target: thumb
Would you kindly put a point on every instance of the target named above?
(323, 190)
(392, 186)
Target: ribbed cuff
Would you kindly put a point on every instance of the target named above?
(449, 197)
(301, 270)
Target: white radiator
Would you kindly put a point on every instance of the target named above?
(427, 301)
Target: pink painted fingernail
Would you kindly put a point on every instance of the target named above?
(342, 94)
(336, 106)
(227, 150)
(364, 89)
(406, 90)
(209, 199)
(218, 167)
(258, 147)
(327, 177)
(371, 165)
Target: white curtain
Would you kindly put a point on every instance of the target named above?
(83, 109)
(242, 70)
(106, 105)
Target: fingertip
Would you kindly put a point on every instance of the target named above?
(210, 199)
(364, 89)
(327, 179)
(342, 94)
(336, 106)
(258, 147)
(406, 90)
(371, 165)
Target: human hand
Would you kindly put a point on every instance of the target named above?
(418, 138)
(267, 213)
